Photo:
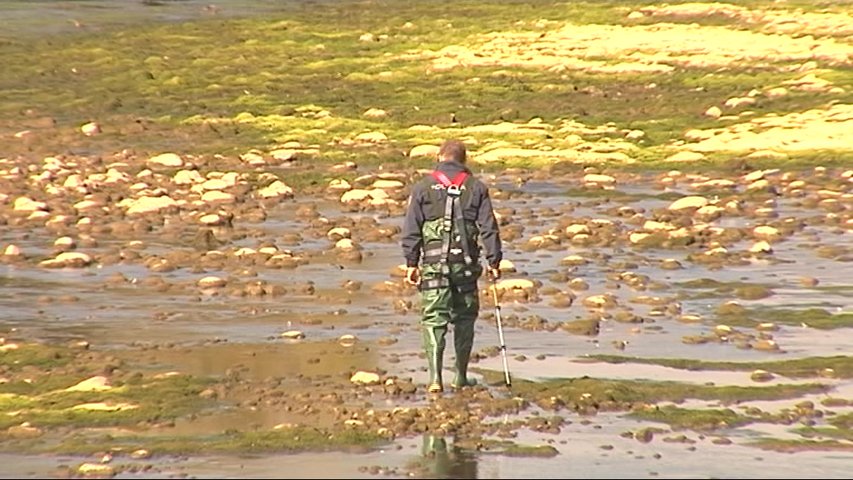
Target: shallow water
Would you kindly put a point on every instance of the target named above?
(72, 304)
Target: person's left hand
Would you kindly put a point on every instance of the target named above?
(413, 276)
(494, 273)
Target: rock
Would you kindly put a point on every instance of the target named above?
(170, 160)
(766, 232)
(375, 113)
(216, 196)
(68, 259)
(388, 184)
(365, 378)
(685, 157)
(424, 151)
(90, 129)
(688, 202)
(506, 266)
(573, 260)
(96, 470)
(713, 112)
(339, 185)
(599, 179)
(765, 345)
(211, 219)
(94, 384)
(211, 282)
(12, 251)
(187, 177)
(140, 454)
(293, 335)
(277, 189)
(761, 246)
(104, 407)
(338, 233)
(145, 205)
(347, 340)
(346, 244)
(761, 376)
(355, 195)
(577, 228)
(65, 243)
(516, 284)
(28, 205)
(24, 430)
(371, 137)
(284, 154)
(600, 301)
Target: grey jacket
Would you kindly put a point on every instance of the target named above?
(478, 209)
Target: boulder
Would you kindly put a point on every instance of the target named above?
(170, 160)
(365, 378)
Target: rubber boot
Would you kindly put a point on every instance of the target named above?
(434, 348)
(463, 341)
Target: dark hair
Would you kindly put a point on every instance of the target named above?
(453, 150)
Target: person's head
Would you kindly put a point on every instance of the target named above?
(452, 151)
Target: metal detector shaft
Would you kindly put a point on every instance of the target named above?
(501, 334)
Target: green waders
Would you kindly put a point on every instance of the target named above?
(449, 305)
(449, 283)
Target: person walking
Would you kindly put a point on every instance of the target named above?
(449, 214)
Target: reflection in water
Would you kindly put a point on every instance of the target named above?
(441, 462)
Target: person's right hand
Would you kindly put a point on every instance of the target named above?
(413, 276)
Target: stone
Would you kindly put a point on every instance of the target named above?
(187, 177)
(68, 259)
(685, 156)
(714, 112)
(12, 251)
(94, 384)
(339, 185)
(171, 160)
(211, 282)
(216, 196)
(90, 129)
(338, 233)
(347, 340)
(598, 178)
(371, 137)
(424, 151)
(96, 470)
(388, 184)
(375, 113)
(761, 376)
(766, 232)
(599, 301)
(284, 154)
(573, 260)
(365, 378)
(23, 431)
(28, 205)
(277, 189)
(684, 203)
(761, 246)
(506, 266)
(293, 335)
(355, 195)
(577, 228)
(345, 244)
(522, 284)
(144, 205)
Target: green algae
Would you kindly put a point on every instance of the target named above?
(793, 446)
(693, 419)
(586, 394)
(227, 85)
(151, 401)
(841, 365)
(289, 439)
(809, 317)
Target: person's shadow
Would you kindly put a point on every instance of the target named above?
(439, 461)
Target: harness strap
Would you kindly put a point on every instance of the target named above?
(452, 212)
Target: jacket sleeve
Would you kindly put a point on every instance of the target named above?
(489, 233)
(412, 236)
